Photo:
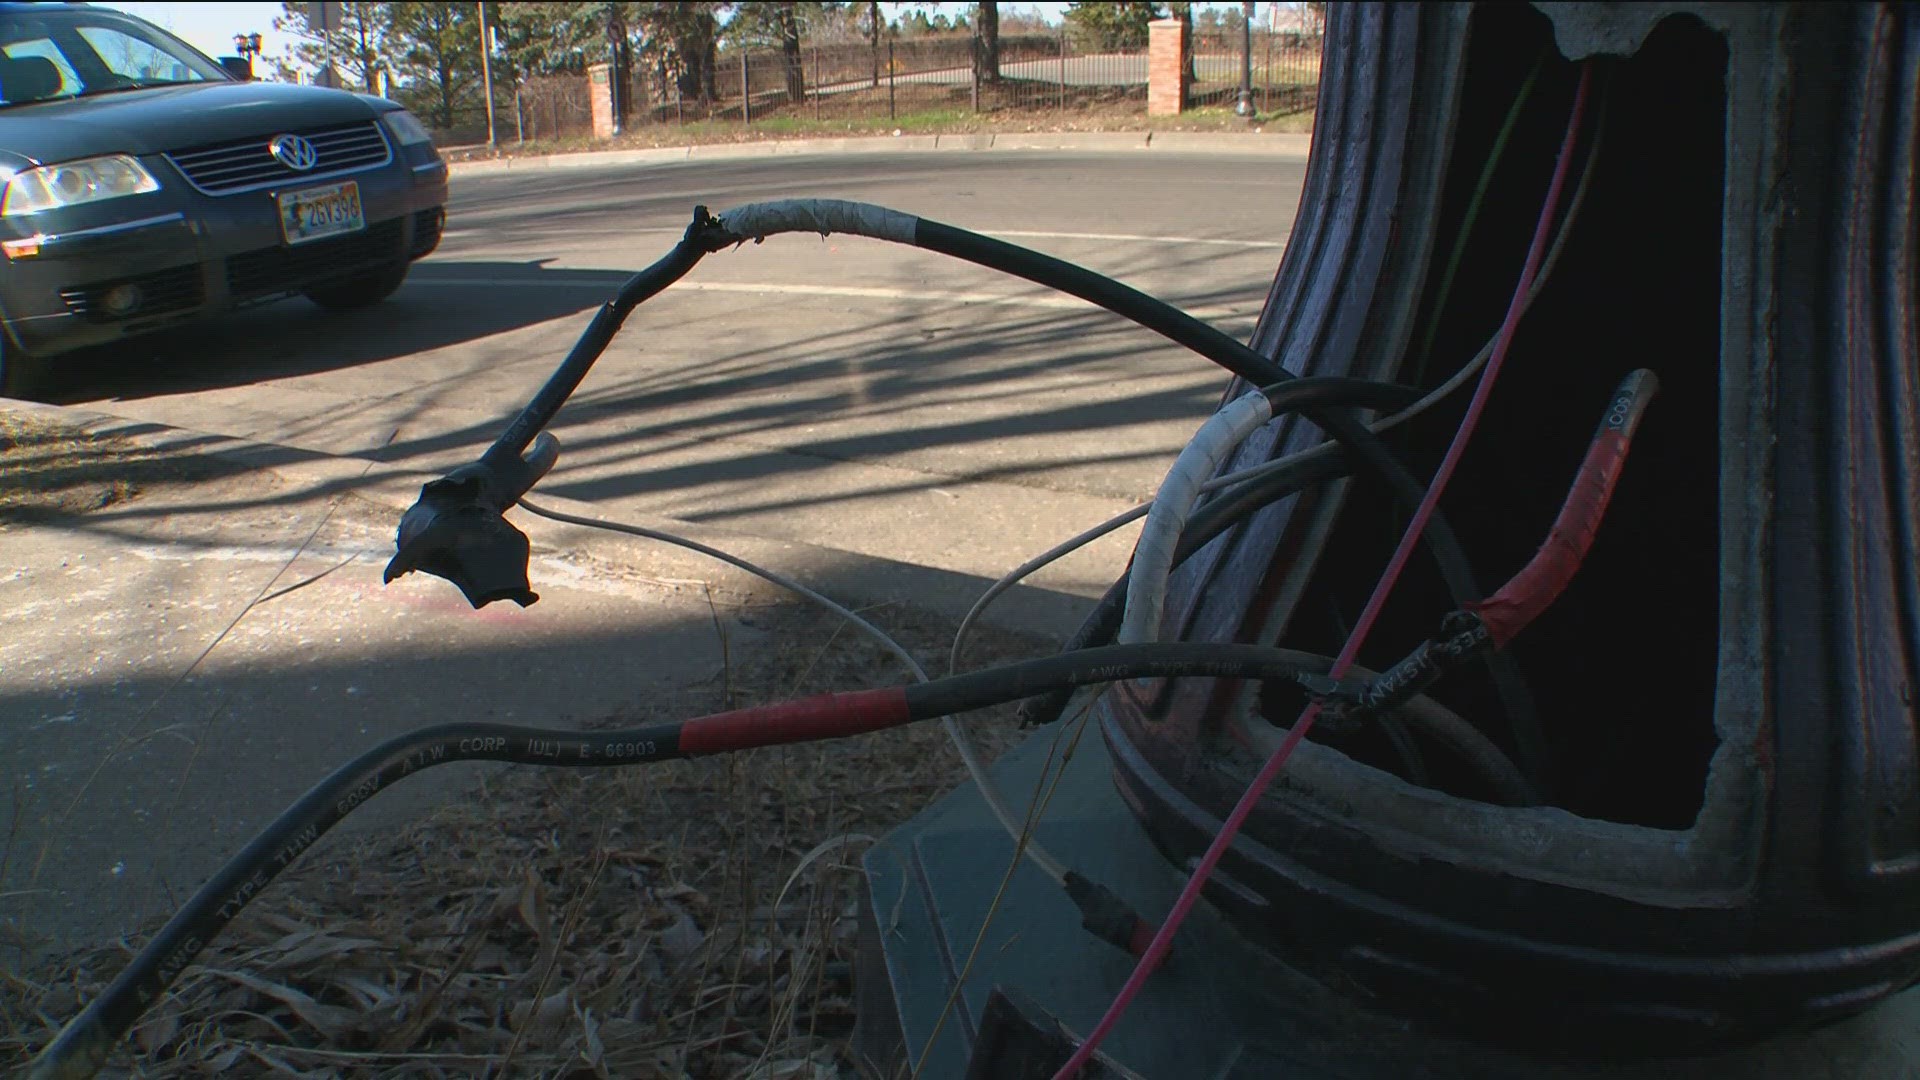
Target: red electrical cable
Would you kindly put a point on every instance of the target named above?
(1163, 939)
(1534, 589)
(825, 716)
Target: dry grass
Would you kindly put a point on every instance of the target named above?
(50, 469)
(649, 922)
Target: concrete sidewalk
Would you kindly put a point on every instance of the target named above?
(1283, 145)
(182, 665)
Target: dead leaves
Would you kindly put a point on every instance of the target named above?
(678, 922)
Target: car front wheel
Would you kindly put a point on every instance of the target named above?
(360, 292)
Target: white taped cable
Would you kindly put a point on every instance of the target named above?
(756, 221)
(1153, 555)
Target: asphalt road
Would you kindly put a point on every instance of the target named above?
(846, 393)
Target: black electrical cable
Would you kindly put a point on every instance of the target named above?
(1509, 785)
(1209, 342)
(1319, 393)
(1104, 621)
(1254, 368)
(1228, 508)
(1154, 314)
(1327, 462)
(1222, 512)
(702, 237)
(1184, 329)
(1225, 510)
(1156, 660)
(84, 1044)
(1241, 360)
(1455, 570)
(1211, 518)
(1215, 516)
(705, 234)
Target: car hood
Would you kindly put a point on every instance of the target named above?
(171, 118)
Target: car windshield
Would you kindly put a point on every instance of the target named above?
(80, 52)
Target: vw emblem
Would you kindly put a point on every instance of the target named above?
(294, 152)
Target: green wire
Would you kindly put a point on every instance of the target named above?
(1473, 214)
(1394, 520)
(1420, 358)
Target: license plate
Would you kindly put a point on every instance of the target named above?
(318, 212)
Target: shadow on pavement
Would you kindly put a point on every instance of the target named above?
(804, 403)
(186, 678)
(291, 338)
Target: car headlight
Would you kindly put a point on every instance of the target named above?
(407, 128)
(70, 183)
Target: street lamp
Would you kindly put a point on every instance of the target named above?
(1244, 107)
(248, 46)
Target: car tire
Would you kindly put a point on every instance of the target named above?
(21, 375)
(360, 292)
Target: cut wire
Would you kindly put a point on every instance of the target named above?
(969, 756)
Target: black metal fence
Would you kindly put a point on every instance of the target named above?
(547, 107)
(926, 77)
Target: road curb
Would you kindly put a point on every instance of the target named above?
(855, 579)
(1288, 146)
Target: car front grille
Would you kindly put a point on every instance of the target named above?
(161, 292)
(277, 270)
(238, 165)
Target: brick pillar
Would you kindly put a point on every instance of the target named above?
(600, 97)
(1166, 75)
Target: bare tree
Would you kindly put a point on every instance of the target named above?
(359, 44)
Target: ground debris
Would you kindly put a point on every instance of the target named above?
(687, 920)
(50, 468)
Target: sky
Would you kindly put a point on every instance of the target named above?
(210, 27)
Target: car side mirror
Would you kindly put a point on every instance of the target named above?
(239, 67)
